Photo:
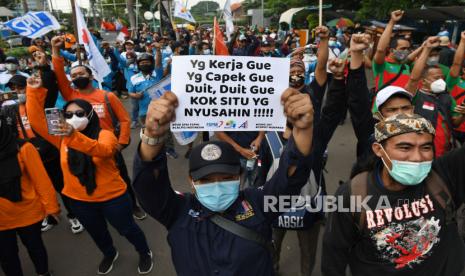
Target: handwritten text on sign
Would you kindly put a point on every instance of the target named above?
(218, 93)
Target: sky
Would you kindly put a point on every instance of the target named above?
(65, 5)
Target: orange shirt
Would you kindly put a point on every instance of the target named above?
(25, 121)
(108, 178)
(38, 195)
(97, 99)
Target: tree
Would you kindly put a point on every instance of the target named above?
(8, 4)
(203, 8)
(25, 7)
(131, 14)
(381, 9)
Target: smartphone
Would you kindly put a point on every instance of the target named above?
(8, 96)
(55, 118)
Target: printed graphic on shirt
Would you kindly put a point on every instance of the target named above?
(25, 122)
(408, 243)
(99, 108)
(403, 235)
(245, 212)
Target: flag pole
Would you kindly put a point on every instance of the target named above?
(320, 13)
(214, 35)
(76, 33)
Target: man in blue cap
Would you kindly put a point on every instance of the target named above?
(217, 229)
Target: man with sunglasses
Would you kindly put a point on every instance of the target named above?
(201, 223)
(107, 106)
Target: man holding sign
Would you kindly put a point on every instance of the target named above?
(237, 95)
(201, 225)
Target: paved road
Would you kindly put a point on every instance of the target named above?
(77, 255)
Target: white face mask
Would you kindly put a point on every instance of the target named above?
(206, 52)
(2, 67)
(78, 123)
(438, 86)
(21, 98)
(11, 67)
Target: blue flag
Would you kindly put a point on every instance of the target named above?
(33, 24)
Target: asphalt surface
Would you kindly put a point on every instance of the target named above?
(77, 255)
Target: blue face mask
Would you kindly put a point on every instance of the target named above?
(217, 196)
(408, 173)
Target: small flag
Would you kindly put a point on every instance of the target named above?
(180, 10)
(96, 61)
(33, 24)
(220, 46)
(228, 19)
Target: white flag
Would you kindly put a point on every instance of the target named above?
(181, 11)
(96, 61)
(228, 19)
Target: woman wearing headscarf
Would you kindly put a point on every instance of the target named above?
(92, 180)
(26, 197)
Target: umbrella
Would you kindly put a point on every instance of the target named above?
(340, 22)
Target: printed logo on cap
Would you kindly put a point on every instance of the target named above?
(210, 152)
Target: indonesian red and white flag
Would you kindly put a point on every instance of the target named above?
(96, 61)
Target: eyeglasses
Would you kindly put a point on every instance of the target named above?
(79, 113)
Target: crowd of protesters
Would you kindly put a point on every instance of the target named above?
(406, 104)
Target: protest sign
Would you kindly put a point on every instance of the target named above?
(34, 24)
(157, 90)
(225, 93)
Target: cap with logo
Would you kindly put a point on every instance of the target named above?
(213, 157)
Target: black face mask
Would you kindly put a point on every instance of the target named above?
(146, 68)
(296, 81)
(81, 82)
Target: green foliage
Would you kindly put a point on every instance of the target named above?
(381, 9)
(8, 4)
(17, 52)
(312, 20)
(205, 8)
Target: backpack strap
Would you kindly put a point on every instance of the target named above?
(114, 120)
(241, 231)
(358, 186)
(275, 144)
(436, 187)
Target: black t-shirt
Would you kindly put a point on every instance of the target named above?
(410, 238)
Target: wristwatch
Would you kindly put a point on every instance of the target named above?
(149, 140)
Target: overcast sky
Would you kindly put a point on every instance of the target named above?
(65, 5)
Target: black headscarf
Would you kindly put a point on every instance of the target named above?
(80, 164)
(10, 178)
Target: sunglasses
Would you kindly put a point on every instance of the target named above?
(78, 113)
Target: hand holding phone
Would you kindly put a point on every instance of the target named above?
(55, 121)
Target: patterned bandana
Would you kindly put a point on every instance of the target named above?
(401, 124)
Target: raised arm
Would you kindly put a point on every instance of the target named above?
(323, 52)
(420, 64)
(386, 37)
(123, 118)
(414, 54)
(59, 68)
(158, 61)
(104, 147)
(36, 95)
(458, 58)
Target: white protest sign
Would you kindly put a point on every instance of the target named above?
(226, 93)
